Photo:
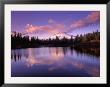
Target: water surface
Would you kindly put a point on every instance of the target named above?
(53, 62)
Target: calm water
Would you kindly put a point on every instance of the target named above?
(53, 62)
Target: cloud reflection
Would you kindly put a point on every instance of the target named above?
(56, 55)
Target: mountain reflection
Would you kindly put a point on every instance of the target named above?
(30, 54)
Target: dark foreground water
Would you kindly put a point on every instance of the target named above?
(53, 62)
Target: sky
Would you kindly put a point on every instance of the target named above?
(44, 24)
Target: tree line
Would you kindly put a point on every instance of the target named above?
(19, 41)
(88, 40)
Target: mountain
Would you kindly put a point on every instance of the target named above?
(61, 35)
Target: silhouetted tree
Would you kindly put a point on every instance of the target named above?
(19, 41)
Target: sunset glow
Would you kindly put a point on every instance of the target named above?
(46, 24)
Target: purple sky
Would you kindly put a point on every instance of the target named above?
(46, 23)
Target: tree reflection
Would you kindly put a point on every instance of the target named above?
(71, 49)
(16, 55)
(64, 50)
(90, 51)
(54, 52)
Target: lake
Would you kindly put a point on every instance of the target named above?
(53, 62)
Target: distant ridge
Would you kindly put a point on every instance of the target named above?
(61, 35)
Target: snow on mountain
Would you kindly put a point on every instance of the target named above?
(61, 35)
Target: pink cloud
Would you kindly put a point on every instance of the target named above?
(89, 19)
(50, 28)
(93, 17)
(78, 24)
(31, 28)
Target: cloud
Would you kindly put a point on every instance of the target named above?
(31, 28)
(93, 17)
(78, 24)
(89, 19)
(50, 21)
(52, 27)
